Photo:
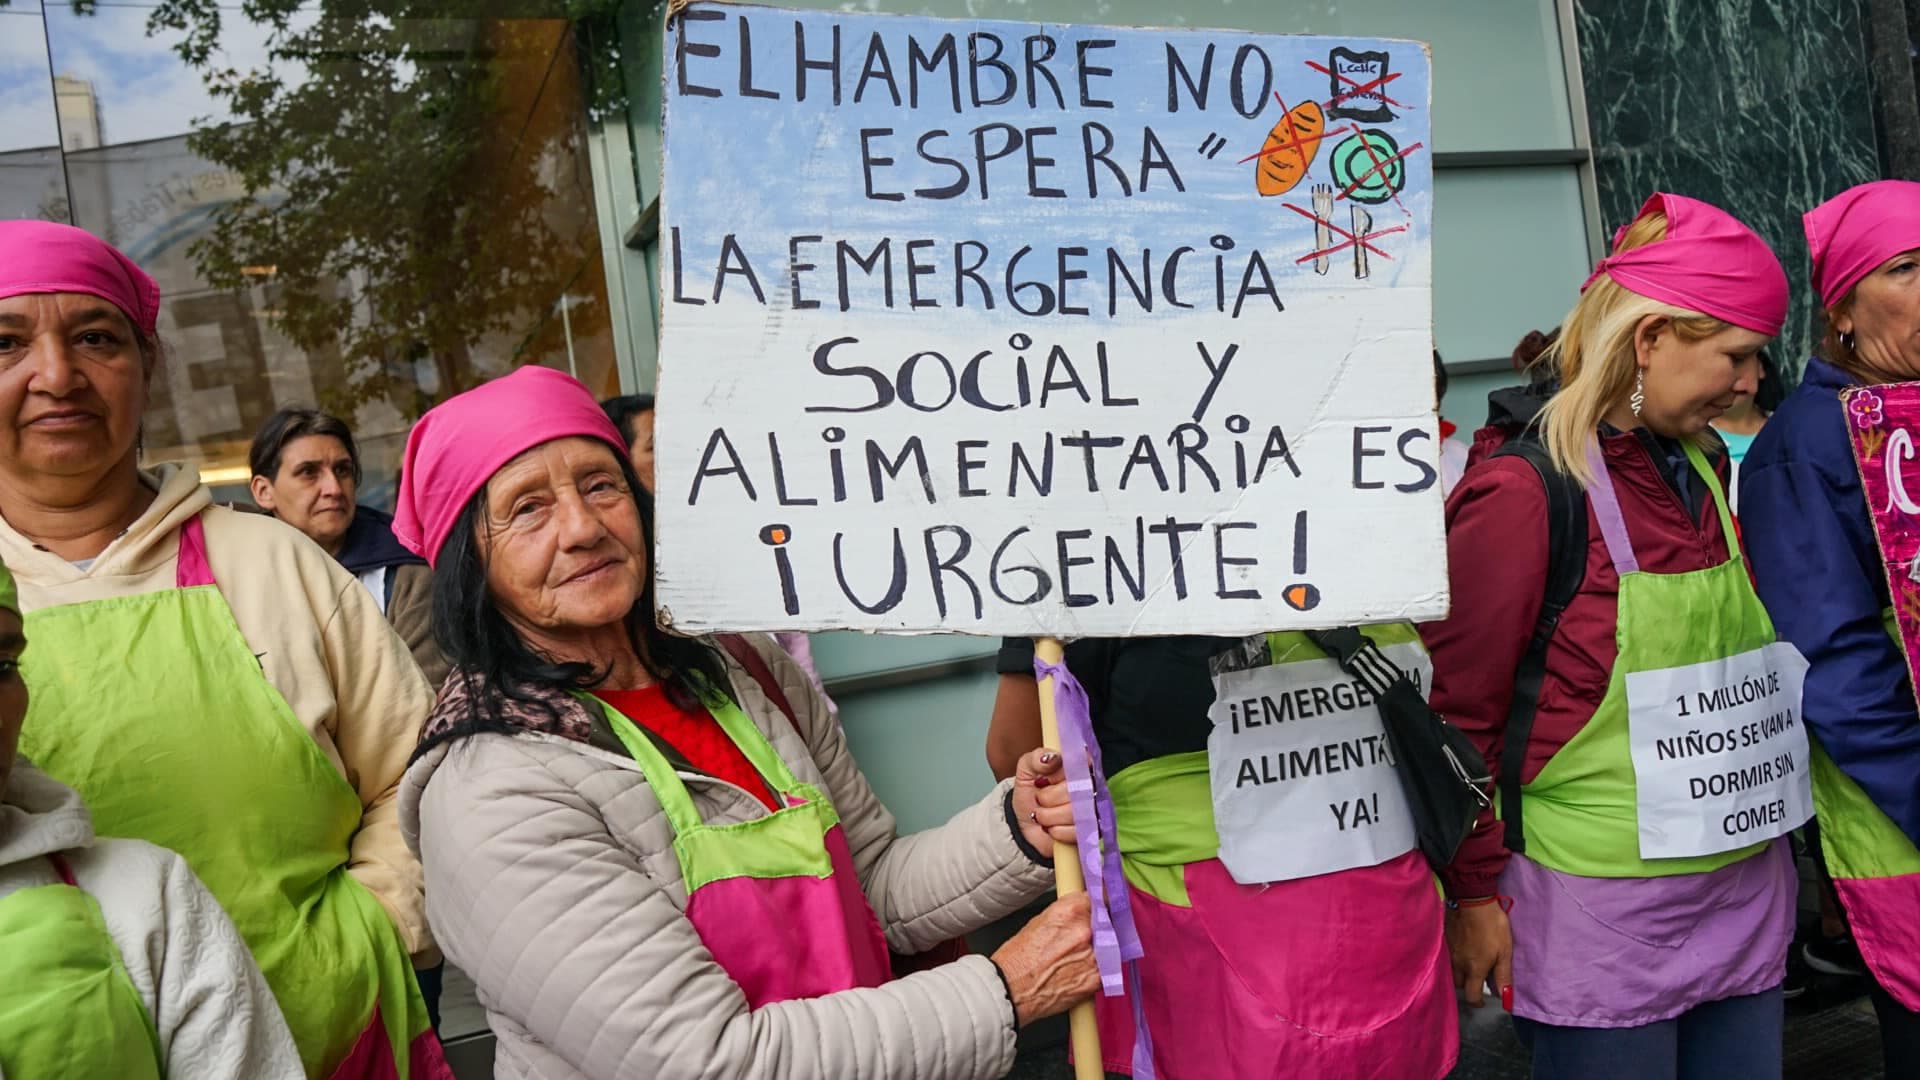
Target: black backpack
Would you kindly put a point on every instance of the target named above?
(1566, 568)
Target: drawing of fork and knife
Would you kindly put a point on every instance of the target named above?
(1323, 234)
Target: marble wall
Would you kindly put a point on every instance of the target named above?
(1759, 106)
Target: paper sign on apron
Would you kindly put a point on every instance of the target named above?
(1720, 752)
(1303, 777)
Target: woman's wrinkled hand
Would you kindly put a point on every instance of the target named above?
(1049, 964)
(1481, 943)
(1040, 801)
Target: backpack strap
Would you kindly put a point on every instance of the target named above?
(1566, 568)
(748, 657)
(1359, 657)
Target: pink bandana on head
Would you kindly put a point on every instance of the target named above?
(1709, 262)
(1857, 230)
(45, 257)
(460, 443)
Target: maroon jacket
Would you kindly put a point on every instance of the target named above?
(1497, 558)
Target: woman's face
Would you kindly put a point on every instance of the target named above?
(565, 552)
(73, 386)
(1688, 384)
(1743, 401)
(13, 691)
(641, 449)
(1884, 318)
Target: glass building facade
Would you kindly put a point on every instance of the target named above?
(361, 212)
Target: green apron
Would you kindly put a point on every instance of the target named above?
(67, 1005)
(154, 708)
(1582, 809)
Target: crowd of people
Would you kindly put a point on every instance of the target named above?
(261, 773)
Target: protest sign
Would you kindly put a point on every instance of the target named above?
(1719, 752)
(1004, 328)
(1881, 421)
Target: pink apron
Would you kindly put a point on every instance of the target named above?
(776, 900)
(1341, 976)
(1337, 976)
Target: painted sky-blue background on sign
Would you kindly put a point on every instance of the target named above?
(767, 169)
(760, 402)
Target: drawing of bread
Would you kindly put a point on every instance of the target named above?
(1291, 146)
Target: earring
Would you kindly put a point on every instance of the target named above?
(1846, 341)
(1639, 398)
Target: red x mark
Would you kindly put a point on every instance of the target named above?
(1351, 239)
(1294, 145)
(1284, 147)
(1359, 88)
(1378, 165)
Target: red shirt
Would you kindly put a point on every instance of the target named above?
(695, 734)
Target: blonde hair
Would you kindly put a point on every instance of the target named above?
(1595, 357)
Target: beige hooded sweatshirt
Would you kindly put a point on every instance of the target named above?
(320, 640)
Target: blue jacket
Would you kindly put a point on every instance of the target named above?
(1819, 572)
(370, 543)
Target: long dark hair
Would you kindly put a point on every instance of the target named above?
(623, 409)
(1773, 388)
(483, 647)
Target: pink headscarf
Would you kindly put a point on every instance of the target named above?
(1857, 230)
(45, 257)
(1709, 262)
(460, 443)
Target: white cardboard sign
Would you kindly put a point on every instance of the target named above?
(1720, 754)
(1008, 328)
(1302, 772)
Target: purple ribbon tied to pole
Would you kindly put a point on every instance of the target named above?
(1116, 943)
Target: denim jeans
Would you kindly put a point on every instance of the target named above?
(1735, 1037)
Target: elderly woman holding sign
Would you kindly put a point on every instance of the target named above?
(1635, 905)
(654, 855)
(1819, 570)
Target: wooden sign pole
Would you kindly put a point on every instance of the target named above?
(1067, 877)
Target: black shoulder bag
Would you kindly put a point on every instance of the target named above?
(1445, 778)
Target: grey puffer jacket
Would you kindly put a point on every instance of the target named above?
(552, 881)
